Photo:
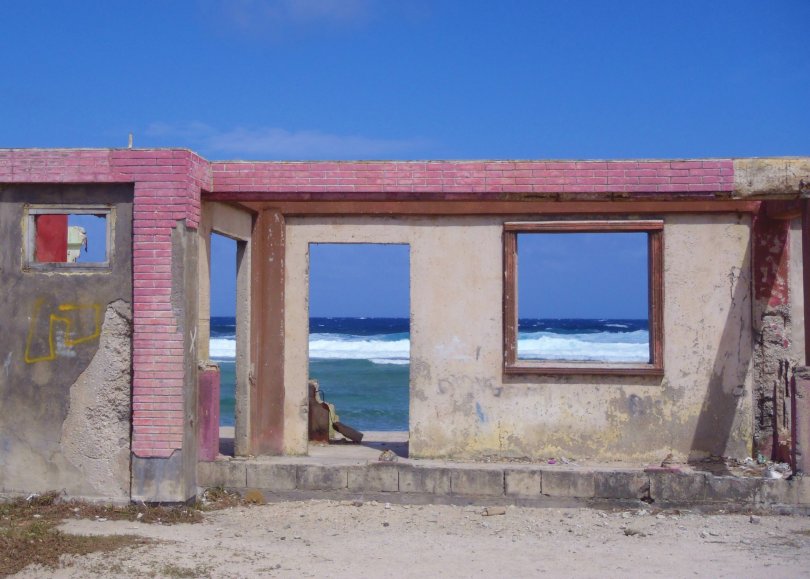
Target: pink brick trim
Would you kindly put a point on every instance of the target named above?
(433, 179)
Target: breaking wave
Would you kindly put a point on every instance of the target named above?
(395, 348)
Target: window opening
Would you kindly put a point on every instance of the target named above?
(222, 341)
(359, 342)
(68, 237)
(583, 297)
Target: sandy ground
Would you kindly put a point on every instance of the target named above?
(323, 538)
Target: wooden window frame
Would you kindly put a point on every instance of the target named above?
(29, 233)
(655, 272)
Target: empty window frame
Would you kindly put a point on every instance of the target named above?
(75, 237)
(540, 361)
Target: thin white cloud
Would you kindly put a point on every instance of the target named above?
(278, 143)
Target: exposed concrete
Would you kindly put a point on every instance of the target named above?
(95, 434)
(775, 271)
(773, 177)
(462, 406)
(65, 354)
(163, 480)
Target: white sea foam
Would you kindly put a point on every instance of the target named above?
(598, 347)
(601, 346)
(222, 348)
(343, 347)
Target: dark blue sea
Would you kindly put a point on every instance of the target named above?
(362, 363)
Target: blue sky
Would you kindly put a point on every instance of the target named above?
(376, 79)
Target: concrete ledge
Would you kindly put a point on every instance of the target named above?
(272, 477)
(374, 478)
(433, 481)
(425, 482)
(523, 483)
(575, 484)
(621, 485)
(477, 482)
(222, 473)
(313, 477)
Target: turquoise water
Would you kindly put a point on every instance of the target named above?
(362, 365)
(366, 396)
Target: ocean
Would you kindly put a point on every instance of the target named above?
(362, 367)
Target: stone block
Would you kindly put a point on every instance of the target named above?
(680, 488)
(222, 473)
(621, 485)
(272, 477)
(477, 482)
(569, 483)
(737, 490)
(374, 478)
(802, 484)
(523, 483)
(321, 478)
(778, 492)
(435, 481)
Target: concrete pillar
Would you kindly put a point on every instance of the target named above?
(267, 386)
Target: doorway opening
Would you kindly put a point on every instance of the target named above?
(359, 342)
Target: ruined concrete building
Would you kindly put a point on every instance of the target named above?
(100, 359)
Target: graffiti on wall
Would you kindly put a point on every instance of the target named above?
(66, 326)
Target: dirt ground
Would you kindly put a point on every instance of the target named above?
(322, 538)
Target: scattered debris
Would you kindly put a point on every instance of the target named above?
(388, 455)
(254, 497)
(491, 511)
(754, 520)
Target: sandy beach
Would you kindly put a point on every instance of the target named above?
(323, 538)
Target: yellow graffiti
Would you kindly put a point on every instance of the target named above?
(70, 338)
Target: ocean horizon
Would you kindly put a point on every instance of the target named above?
(362, 364)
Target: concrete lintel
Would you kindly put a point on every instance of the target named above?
(785, 178)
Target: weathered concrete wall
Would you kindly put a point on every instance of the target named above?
(65, 404)
(462, 405)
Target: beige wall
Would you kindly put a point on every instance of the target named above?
(463, 406)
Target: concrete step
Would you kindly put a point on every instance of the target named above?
(442, 482)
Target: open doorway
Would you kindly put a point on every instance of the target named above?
(359, 340)
(222, 342)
